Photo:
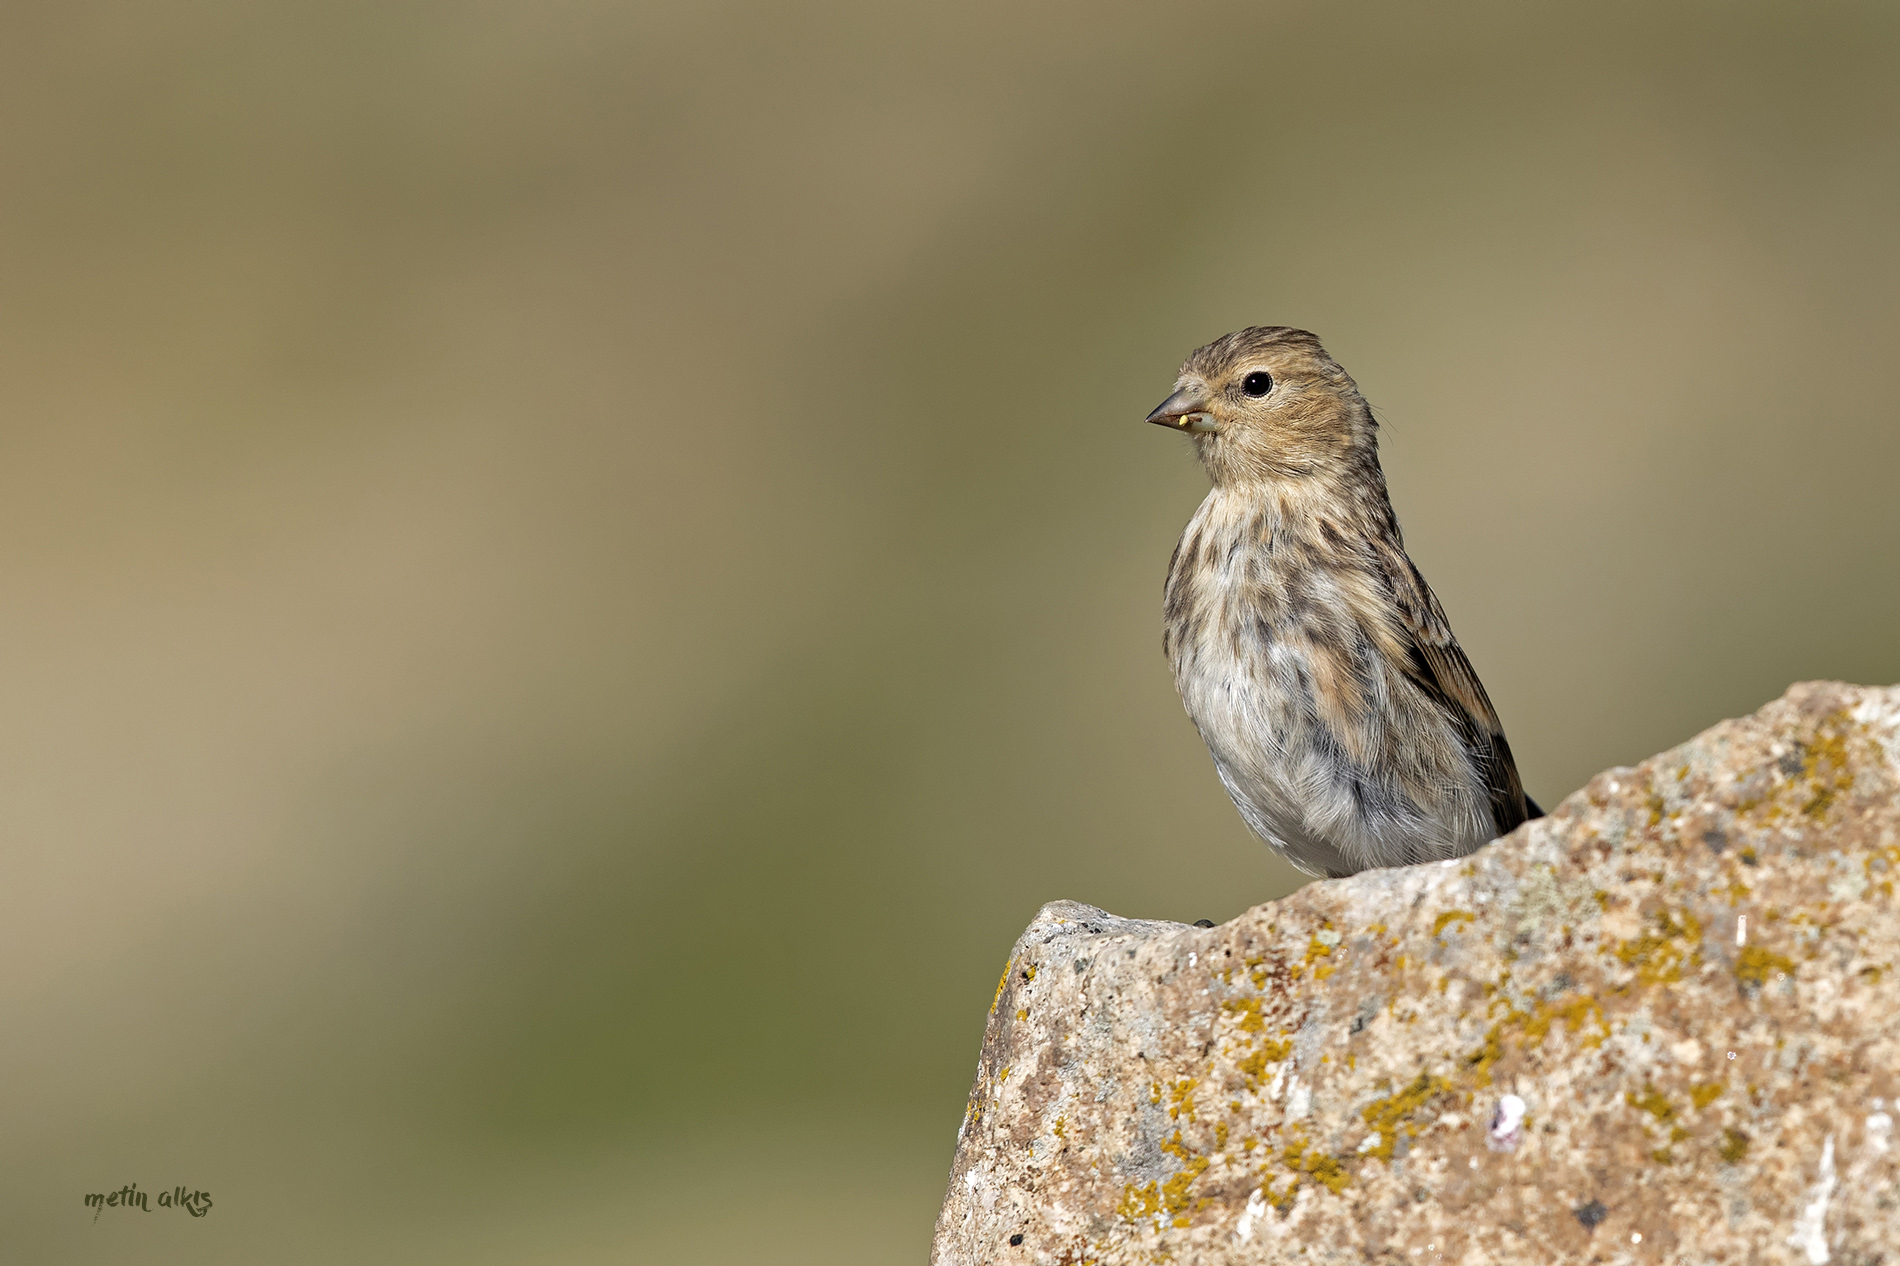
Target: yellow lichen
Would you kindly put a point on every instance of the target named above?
(1174, 1192)
(1826, 765)
(1139, 1202)
(1181, 1099)
(1249, 1011)
(1324, 1169)
(1451, 916)
(1387, 1116)
(1654, 1102)
(1316, 949)
(1534, 1025)
(1254, 1066)
(1000, 985)
(1755, 964)
(1705, 1094)
(1660, 956)
(1734, 1146)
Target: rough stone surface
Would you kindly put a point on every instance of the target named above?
(1683, 979)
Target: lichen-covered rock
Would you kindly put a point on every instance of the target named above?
(1660, 1025)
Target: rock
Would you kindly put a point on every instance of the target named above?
(1662, 1024)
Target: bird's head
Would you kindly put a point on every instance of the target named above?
(1267, 402)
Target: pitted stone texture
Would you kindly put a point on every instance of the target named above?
(1686, 974)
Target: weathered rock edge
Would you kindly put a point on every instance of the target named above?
(1685, 973)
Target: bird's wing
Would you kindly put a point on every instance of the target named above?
(1437, 665)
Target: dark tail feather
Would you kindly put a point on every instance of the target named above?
(1532, 810)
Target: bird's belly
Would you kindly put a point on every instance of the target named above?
(1290, 775)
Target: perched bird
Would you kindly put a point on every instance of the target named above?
(1343, 717)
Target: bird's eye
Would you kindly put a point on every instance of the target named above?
(1257, 384)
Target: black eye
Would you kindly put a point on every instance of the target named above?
(1257, 384)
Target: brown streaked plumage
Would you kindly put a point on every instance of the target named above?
(1342, 715)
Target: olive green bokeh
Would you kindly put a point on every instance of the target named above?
(574, 573)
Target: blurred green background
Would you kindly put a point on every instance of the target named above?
(573, 573)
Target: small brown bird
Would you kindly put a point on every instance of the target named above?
(1343, 717)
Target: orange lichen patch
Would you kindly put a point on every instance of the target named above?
(1451, 916)
(1705, 1094)
(1660, 956)
(1390, 1116)
(1755, 964)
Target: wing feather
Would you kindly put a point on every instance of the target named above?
(1438, 666)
